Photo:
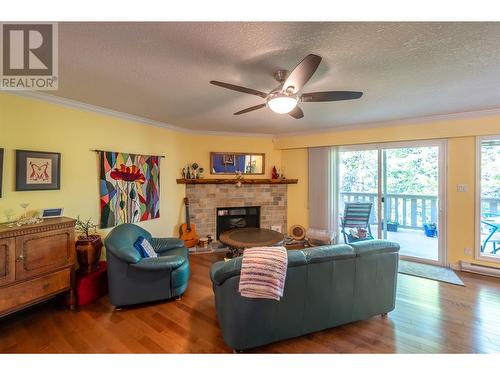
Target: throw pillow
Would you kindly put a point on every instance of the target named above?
(144, 248)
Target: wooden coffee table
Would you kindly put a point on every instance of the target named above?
(242, 238)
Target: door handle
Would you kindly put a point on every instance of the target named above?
(20, 258)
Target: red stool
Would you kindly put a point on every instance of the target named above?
(91, 286)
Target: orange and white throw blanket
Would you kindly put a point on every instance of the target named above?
(263, 272)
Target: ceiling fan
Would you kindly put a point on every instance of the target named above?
(284, 98)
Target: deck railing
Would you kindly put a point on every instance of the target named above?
(412, 211)
(409, 211)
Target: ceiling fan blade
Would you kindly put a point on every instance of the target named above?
(301, 74)
(246, 90)
(296, 113)
(259, 106)
(330, 96)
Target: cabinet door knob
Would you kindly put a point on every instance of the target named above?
(45, 285)
(20, 258)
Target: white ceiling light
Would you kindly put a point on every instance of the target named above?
(281, 102)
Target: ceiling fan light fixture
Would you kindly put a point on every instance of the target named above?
(281, 102)
(284, 98)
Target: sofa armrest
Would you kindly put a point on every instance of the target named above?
(371, 247)
(221, 271)
(163, 244)
(169, 262)
(127, 254)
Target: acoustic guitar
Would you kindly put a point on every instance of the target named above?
(188, 230)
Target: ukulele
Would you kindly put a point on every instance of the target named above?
(188, 230)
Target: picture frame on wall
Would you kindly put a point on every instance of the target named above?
(1, 171)
(232, 162)
(52, 212)
(38, 170)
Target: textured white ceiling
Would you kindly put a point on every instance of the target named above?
(161, 71)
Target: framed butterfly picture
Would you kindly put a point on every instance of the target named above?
(37, 170)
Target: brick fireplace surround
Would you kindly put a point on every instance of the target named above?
(204, 200)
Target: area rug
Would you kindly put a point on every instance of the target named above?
(428, 271)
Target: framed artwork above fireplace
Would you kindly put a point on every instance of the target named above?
(233, 162)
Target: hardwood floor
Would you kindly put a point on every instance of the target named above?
(430, 317)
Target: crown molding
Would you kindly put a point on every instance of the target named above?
(70, 103)
(65, 102)
(405, 121)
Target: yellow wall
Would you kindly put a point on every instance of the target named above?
(37, 125)
(404, 132)
(461, 205)
(294, 165)
(30, 124)
(200, 146)
(460, 135)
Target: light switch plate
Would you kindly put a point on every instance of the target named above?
(461, 188)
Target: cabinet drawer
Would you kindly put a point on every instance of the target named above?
(40, 253)
(24, 293)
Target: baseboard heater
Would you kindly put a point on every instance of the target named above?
(477, 268)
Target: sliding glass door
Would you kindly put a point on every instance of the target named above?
(405, 185)
(411, 200)
(358, 183)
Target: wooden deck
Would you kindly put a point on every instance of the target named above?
(413, 242)
(430, 317)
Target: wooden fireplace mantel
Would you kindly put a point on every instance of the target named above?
(246, 181)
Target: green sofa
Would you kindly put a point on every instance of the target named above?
(326, 286)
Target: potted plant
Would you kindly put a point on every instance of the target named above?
(430, 229)
(392, 226)
(88, 246)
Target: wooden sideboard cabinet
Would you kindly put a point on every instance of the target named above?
(37, 262)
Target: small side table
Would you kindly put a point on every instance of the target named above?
(92, 286)
(493, 227)
(242, 238)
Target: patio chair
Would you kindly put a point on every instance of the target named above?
(356, 215)
(493, 230)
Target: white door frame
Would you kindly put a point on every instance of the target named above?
(442, 194)
(477, 220)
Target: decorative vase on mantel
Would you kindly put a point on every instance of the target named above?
(274, 174)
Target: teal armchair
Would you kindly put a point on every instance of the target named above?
(132, 279)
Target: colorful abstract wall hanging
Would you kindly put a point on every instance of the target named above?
(129, 188)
